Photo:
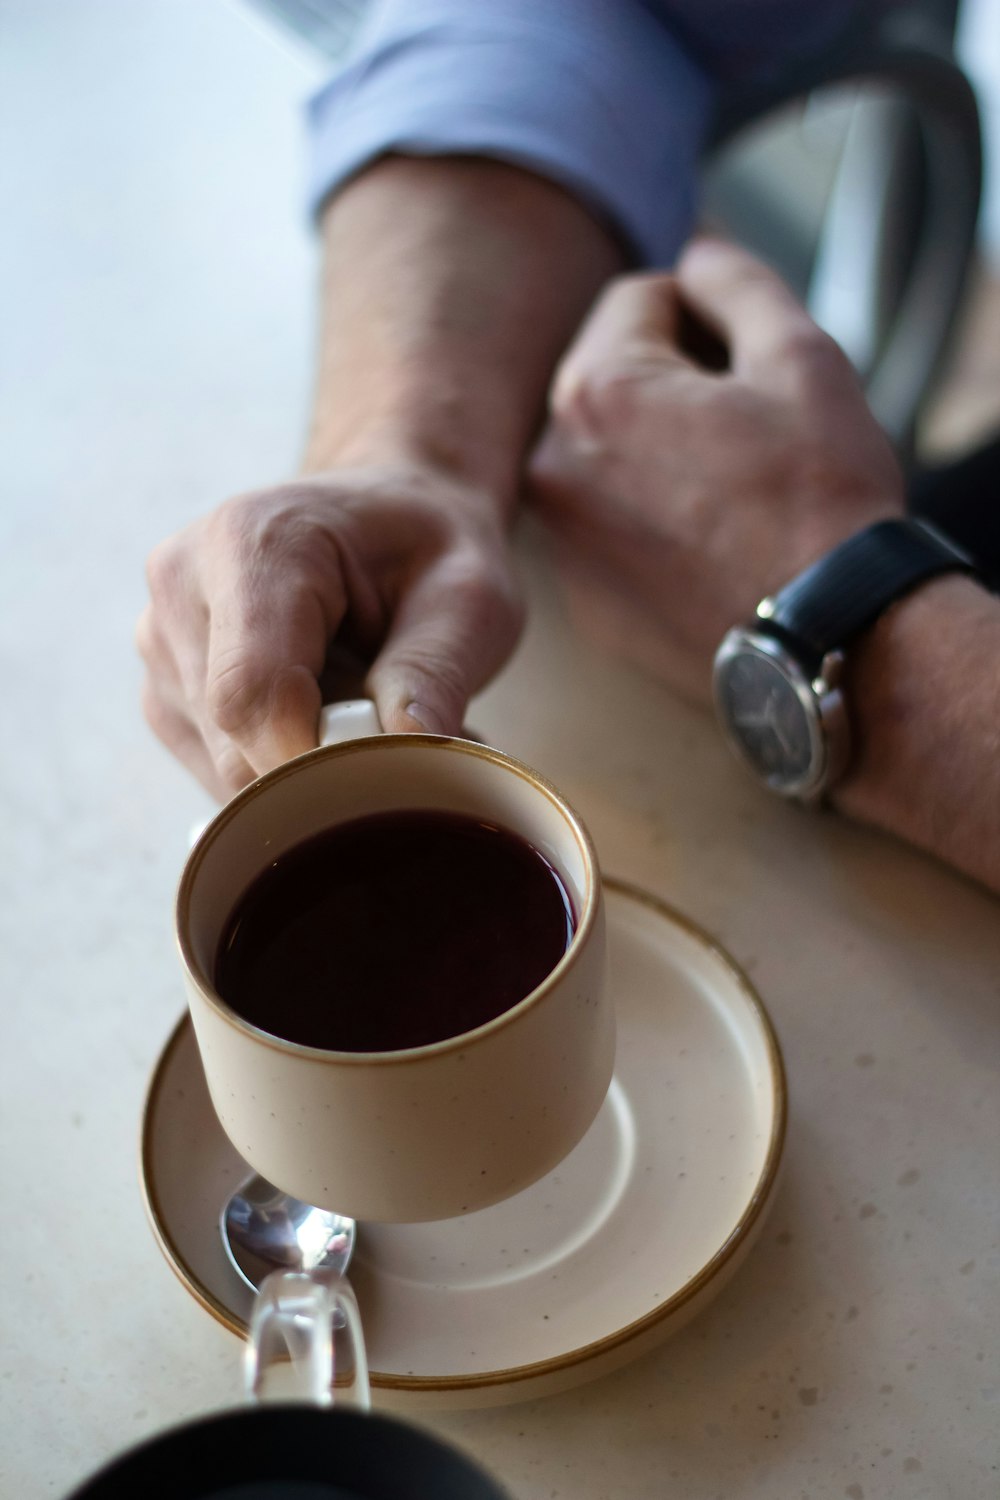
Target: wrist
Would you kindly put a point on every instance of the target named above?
(417, 489)
(828, 649)
(924, 724)
(392, 444)
(808, 535)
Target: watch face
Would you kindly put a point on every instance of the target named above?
(766, 706)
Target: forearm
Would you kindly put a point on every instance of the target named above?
(925, 685)
(450, 289)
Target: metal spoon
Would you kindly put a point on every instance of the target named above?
(264, 1229)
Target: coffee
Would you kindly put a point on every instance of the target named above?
(392, 931)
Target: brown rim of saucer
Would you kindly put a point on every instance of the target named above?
(737, 1239)
(466, 1039)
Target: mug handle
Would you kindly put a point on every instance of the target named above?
(305, 1331)
(353, 719)
(357, 719)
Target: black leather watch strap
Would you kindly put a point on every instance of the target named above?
(825, 607)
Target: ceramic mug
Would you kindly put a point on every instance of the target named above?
(429, 1132)
(305, 1331)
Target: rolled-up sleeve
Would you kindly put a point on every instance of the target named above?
(595, 95)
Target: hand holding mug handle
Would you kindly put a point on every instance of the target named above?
(307, 1325)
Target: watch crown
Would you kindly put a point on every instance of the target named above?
(765, 609)
(831, 672)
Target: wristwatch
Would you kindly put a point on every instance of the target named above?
(777, 681)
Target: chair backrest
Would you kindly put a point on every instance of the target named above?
(889, 266)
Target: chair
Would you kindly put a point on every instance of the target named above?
(881, 247)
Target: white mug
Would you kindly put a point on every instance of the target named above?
(433, 1131)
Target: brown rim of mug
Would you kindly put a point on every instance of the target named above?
(386, 742)
(737, 1239)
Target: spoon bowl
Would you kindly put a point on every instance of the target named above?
(264, 1229)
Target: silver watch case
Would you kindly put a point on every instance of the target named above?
(821, 761)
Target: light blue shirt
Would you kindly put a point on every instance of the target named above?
(609, 98)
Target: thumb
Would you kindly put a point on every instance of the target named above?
(454, 628)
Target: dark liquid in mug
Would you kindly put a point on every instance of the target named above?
(393, 931)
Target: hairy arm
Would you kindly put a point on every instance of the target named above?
(925, 689)
(451, 286)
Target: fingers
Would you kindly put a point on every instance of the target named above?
(763, 324)
(635, 317)
(640, 346)
(659, 343)
(180, 736)
(243, 606)
(275, 594)
(213, 759)
(454, 627)
(745, 317)
(266, 648)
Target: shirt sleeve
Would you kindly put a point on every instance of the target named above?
(596, 95)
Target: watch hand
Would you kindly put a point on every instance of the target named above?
(779, 732)
(770, 720)
(748, 720)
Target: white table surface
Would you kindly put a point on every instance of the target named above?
(155, 282)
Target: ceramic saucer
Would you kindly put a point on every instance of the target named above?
(599, 1261)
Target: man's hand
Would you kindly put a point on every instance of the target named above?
(678, 495)
(406, 569)
(450, 288)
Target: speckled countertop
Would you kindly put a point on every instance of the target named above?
(156, 292)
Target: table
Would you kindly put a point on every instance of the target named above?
(156, 292)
